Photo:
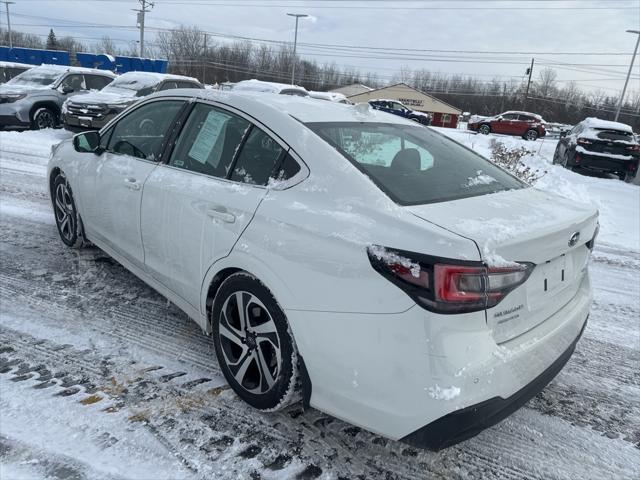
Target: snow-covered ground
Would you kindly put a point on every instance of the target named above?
(101, 378)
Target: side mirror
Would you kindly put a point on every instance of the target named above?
(66, 89)
(87, 142)
(499, 118)
(563, 133)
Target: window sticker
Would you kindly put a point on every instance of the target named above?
(207, 137)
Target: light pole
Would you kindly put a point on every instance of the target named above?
(295, 44)
(624, 89)
(6, 4)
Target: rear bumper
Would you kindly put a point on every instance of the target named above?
(468, 422)
(415, 374)
(602, 163)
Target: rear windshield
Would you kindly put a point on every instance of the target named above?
(614, 135)
(414, 165)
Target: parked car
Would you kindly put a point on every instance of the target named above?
(8, 70)
(522, 124)
(270, 87)
(329, 96)
(95, 110)
(398, 108)
(34, 98)
(338, 254)
(600, 146)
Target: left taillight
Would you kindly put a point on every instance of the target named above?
(448, 285)
(584, 141)
(634, 148)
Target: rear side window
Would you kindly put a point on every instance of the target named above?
(169, 85)
(258, 159)
(188, 85)
(209, 141)
(97, 82)
(414, 165)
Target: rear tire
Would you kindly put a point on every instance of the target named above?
(43, 118)
(254, 344)
(68, 219)
(531, 135)
(484, 129)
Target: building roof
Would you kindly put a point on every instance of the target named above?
(408, 96)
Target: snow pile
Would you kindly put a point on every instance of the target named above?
(442, 393)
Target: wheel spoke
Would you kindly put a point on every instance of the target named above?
(265, 373)
(243, 366)
(231, 335)
(241, 311)
(64, 225)
(265, 328)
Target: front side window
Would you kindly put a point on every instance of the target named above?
(414, 165)
(209, 141)
(170, 85)
(258, 159)
(142, 132)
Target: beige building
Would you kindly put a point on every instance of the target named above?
(442, 114)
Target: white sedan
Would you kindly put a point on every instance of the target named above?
(384, 273)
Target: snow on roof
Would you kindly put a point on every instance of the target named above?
(158, 77)
(518, 112)
(254, 85)
(60, 69)
(599, 124)
(330, 96)
(304, 109)
(15, 65)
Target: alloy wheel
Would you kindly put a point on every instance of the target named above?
(485, 130)
(532, 135)
(250, 343)
(65, 212)
(45, 119)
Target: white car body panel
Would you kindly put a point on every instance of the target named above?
(374, 357)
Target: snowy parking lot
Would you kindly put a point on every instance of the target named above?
(101, 377)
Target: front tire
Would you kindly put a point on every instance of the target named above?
(254, 344)
(44, 118)
(531, 135)
(68, 219)
(484, 129)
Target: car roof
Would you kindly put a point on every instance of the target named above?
(60, 69)
(272, 87)
(15, 65)
(303, 109)
(158, 76)
(598, 123)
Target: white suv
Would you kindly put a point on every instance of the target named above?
(385, 273)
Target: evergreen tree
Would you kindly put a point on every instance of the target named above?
(52, 42)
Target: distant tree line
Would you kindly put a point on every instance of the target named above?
(191, 52)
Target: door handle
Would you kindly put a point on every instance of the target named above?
(221, 215)
(132, 183)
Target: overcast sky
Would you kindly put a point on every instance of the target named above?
(540, 29)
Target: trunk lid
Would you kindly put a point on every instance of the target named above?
(523, 226)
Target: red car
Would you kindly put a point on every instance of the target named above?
(522, 124)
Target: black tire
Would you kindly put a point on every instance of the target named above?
(626, 177)
(555, 156)
(531, 135)
(68, 219)
(264, 336)
(484, 129)
(44, 117)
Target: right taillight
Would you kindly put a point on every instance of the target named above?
(591, 243)
(634, 148)
(448, 285)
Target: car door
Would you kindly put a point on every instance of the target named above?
(112, 188)
(502, 124)
(196, 205)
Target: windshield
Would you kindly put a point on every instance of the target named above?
(138, 86)
(35, 77)
(414, 165)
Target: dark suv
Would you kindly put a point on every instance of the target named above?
(601, 146)
(522, 124)
(95, 110)
(397, 108)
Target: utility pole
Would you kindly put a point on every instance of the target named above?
(6, 4)
(295, 44)
(530, 72)
(141, 12)
(204, 60)
(626, 82)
